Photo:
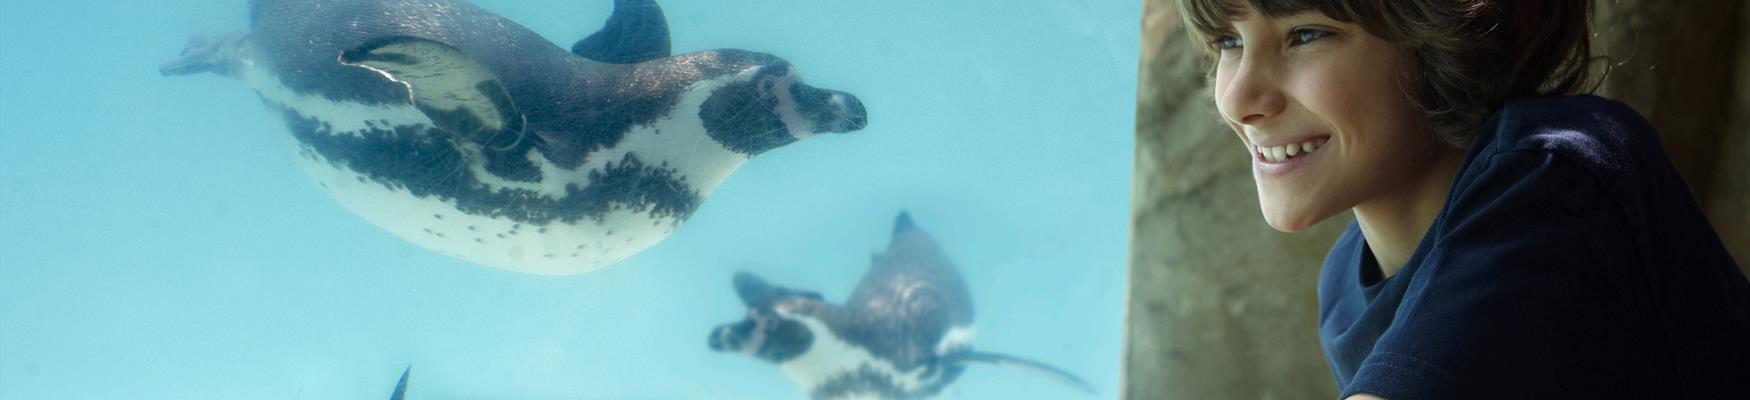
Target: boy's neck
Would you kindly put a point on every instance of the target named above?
(1394, 224)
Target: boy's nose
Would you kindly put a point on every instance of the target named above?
(1251, 95)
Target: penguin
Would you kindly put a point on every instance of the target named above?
(472, 136)
(905, 332)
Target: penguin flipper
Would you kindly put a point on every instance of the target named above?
(902, 223)
(635, 33)
(401, 386)
(1004, 360)
(461, 96)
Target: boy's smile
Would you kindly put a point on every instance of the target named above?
(1280, 157)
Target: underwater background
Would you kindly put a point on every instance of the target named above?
(157, 240)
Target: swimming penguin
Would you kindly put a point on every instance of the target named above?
(904, 333)
(474, 137)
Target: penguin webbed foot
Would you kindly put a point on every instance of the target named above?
(206, 53)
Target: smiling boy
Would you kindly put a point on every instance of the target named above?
(1512, 238)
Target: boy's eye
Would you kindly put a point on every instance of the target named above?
(1300, 36)
(1227, 42)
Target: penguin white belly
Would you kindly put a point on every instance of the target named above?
(556, 248)
(832, 361)
(550, 247)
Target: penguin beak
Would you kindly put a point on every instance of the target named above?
(720, 339)
(830, 110)
(727, 339)
(850, 114)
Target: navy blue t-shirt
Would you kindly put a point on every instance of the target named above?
(1569, 261)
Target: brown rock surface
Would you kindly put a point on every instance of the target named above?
(1685, 65)
(1728, 198)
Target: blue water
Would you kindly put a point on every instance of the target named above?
(157, 240)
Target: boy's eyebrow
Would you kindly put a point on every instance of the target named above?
(1222, 23)
(1291, 19)
(1305, 15)
(1238, 15)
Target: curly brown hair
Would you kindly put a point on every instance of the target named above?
(1468, 57)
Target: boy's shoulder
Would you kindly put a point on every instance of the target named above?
(1603, 136)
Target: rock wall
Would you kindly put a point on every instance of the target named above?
(1728, 198)
(1223, 306)
(1685, 65)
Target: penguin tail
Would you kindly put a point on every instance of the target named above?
(1004, 360)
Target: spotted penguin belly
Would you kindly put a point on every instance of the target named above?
(387, 164)
(836, 369)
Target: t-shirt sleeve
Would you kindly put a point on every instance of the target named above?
(1529, 265)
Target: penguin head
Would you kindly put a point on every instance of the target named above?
(773, 329)
(765, 105)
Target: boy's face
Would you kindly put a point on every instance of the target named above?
(1307, 82)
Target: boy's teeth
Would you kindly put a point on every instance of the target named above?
(1285, 152)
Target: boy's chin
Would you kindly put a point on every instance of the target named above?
(1295, 220)
(1287, 227)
